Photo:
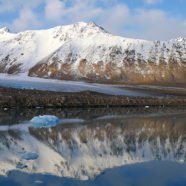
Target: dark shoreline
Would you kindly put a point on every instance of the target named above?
(18, 98)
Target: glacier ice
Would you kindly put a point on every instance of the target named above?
(44, 121)
(30, 156)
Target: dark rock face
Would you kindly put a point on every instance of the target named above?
(147, 73)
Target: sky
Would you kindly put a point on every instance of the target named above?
(144, 19)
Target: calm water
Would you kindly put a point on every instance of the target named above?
(121, 146)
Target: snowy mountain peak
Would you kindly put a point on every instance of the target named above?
(181, 39)
(4, 30)
(89, 25)
(79, 29)
(85, 51)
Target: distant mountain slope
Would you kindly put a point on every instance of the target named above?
(85, 51)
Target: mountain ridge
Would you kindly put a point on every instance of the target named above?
(85, 51)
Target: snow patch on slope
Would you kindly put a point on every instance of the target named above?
(29, 47)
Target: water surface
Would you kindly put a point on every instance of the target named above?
(116, 146)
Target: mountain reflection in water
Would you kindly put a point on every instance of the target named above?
(108, 138)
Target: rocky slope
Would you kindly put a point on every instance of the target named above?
(85, 51)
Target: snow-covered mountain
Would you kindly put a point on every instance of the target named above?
(85, 51)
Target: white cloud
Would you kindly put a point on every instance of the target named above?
(78, 10)
(114, 18)
(118, 18)
(25, 20)
(156, 24)
(113, 15)
(7, 6)
(110, 15)
(54, 9)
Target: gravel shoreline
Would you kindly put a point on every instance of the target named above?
(16, 98)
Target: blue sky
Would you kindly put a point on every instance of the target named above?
(146, 19)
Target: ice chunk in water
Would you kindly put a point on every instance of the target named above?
(45, 121)
(30, 156)
(21, 166)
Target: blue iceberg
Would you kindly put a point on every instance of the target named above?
(45, 121)
(30, 156)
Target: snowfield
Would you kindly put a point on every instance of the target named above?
(31, 83)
